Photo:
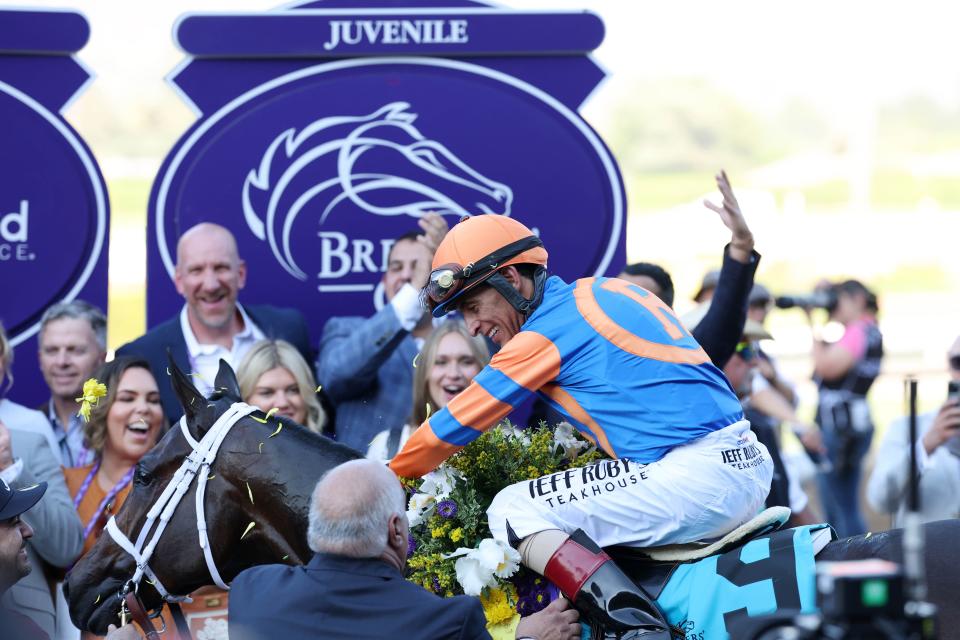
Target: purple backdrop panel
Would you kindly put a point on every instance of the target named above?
(54, 216)
(318, 170)
(317, 157)
(330, 33)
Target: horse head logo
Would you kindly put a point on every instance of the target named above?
(379, 163)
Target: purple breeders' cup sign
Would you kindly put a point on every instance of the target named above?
(53, 205)
(326, 130)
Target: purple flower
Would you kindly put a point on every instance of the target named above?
(447, 509)
(436, 585)
(411, 545)
(534, 593)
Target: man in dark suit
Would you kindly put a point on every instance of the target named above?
(354, 586)
(212, 324)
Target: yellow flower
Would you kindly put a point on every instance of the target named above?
(496, 606)
(93, 390)
(456, 534)
(436, 532)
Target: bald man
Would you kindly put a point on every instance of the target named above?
(212, 324)
(353, 587)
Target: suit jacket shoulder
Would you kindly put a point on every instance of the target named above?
(17, 416)
(337, 597)
(154, 339)
(284, 323)
(58, 535)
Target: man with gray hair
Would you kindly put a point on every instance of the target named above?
(354, 586)
(72, 344)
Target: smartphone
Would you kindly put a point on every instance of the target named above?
(953, 393)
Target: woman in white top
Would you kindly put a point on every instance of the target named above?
(448, 362)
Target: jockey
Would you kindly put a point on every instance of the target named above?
(618, 364)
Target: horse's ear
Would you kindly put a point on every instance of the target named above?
(190, 399)
(226, 381)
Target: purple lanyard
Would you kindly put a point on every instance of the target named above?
(117, 488)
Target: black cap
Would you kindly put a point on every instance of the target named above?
(13, 502)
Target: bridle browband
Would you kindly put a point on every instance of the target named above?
(195, 465)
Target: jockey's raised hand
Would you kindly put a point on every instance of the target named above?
(741, 241)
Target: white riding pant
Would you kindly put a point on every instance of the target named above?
(698, 491)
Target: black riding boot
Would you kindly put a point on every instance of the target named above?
(603, 593)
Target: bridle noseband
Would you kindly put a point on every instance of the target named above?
(195, 465)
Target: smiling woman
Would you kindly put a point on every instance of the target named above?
(123, 426)
(273, 375)
(448, 362)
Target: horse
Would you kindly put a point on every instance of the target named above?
(255, 478)
(269, 480)
(379, 163)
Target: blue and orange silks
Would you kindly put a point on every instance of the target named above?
(610, 356)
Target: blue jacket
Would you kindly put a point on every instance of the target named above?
(275, 322)
(366, 369)
(339, 597)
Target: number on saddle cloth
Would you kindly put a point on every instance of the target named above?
(775, 572)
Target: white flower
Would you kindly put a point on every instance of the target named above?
(480, 567)
(419, 508)
(565, 437)
(213, 629)
(440, 482)
(513, 432)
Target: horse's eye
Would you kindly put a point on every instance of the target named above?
(141, 476)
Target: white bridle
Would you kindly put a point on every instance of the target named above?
(196, 464)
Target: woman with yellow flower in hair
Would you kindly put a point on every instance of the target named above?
(123, 422)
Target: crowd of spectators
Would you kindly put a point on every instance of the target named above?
(379, 378)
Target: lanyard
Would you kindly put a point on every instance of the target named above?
(117, 488)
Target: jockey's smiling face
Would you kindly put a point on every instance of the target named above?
(487, 313)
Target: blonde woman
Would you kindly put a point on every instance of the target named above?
(448, 362)
(273, 375)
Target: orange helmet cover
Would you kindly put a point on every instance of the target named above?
(476, 237)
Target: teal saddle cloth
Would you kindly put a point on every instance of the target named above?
(772, 573)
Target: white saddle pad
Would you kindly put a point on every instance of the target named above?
(767, 520)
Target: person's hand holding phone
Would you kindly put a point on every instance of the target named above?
(947, 423)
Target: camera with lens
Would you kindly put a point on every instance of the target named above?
(857, 600)
(825, 298)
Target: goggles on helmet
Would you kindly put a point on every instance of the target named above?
(448, 280)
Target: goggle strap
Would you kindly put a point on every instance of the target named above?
(512, 295)
(502, 254)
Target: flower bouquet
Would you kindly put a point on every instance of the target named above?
(451, 550)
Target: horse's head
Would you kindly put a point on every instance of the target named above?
(378, 162)
(263, 473)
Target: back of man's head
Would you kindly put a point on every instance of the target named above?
(639, 271)
(351, 508)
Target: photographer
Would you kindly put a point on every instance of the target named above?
(844, 372)
(938, 467)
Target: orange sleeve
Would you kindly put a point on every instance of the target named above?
(527, 362)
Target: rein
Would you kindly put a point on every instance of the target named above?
(195, 465)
